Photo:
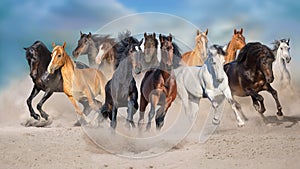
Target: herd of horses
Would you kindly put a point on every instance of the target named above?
(109, 83)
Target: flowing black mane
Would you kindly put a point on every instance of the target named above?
(253, 51)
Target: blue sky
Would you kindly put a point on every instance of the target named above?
(23, 22)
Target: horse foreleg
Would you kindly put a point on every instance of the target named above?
(77, 109)
(160, 114)
(130, 112)
(143, 105)
(236, 107)
(40, 104)
(184, 96)
(154, 99)
(34, 92)
(113, 122)
(257, 98)
(275, 96)
(215, 102)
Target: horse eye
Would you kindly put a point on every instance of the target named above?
(281, 48)
(59, 56)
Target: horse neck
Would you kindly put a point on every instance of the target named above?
(279, 62)
(68, 68)
(92, 53)
(230, 52)
(125, 68)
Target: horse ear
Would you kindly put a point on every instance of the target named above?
(154, 35)
(145, 35)
(64, 45)
(81, 33)
(198, 32)
(160, 37)
(234, 31)
(206, 32)
(53, 44)
(288, 41)
(25, 48)
(241, 31)
(89, 35)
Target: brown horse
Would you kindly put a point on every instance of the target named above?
(199, 54)
(150, 51)
(237, 42)
(159, 85)
(77, 83)
(252, 73)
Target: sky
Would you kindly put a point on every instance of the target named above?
(24, 22)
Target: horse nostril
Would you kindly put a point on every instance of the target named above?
(220, 80)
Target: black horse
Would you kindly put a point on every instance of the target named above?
(121, 90)
(252, 73)
(38, 57)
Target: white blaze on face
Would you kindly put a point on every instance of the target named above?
(137, 48)
(51, 62)
(100, 55)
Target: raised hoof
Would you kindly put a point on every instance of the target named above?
(215, 121)
(45, 116)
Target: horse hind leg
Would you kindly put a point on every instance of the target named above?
(113, 123)
(42, 101)
(34, 92)
(130, 112)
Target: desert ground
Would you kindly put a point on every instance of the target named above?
(265, 144)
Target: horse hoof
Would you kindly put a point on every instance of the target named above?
(36, 116)
(241, 124)
(216, 121)
(280, 116)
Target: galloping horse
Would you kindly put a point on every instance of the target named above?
(38, 57)
(159, 85)
(252, 73)
(89, 44)
(237, 42)
(208, 81)
(121, 90)
(282, 52)
(150, 51)
(199, 54)
(78, 84)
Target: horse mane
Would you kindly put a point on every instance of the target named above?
(99, 39)
(254, 51)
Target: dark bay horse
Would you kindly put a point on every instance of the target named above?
(149, 59)
(252, 73)
(38, 57)
(121, 90)
(158, 86)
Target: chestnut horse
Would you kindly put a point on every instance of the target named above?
(237, 42)
(199, 54)
(77, 83)
(159, 85)
(251, 73)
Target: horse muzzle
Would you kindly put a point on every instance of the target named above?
(75, 54)
(288, 59)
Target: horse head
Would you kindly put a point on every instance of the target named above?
(167, 50)
(150, 46)
(83, 44)
(282, 48)
(58, 57)
(201, 43)
(238, 40)
(215, 62)
(134, 54)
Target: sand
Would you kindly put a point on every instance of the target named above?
(260, 144)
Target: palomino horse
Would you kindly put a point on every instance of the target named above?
(121, 90)
(150, 59)
(237, 42)
(89, 44)
(159, 86)
(207, 81)
(77, 83)
(282, 52)
(38, 57)
(199, 54)
(252, 73)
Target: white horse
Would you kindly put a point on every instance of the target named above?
(208, 81)
(282, 52)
